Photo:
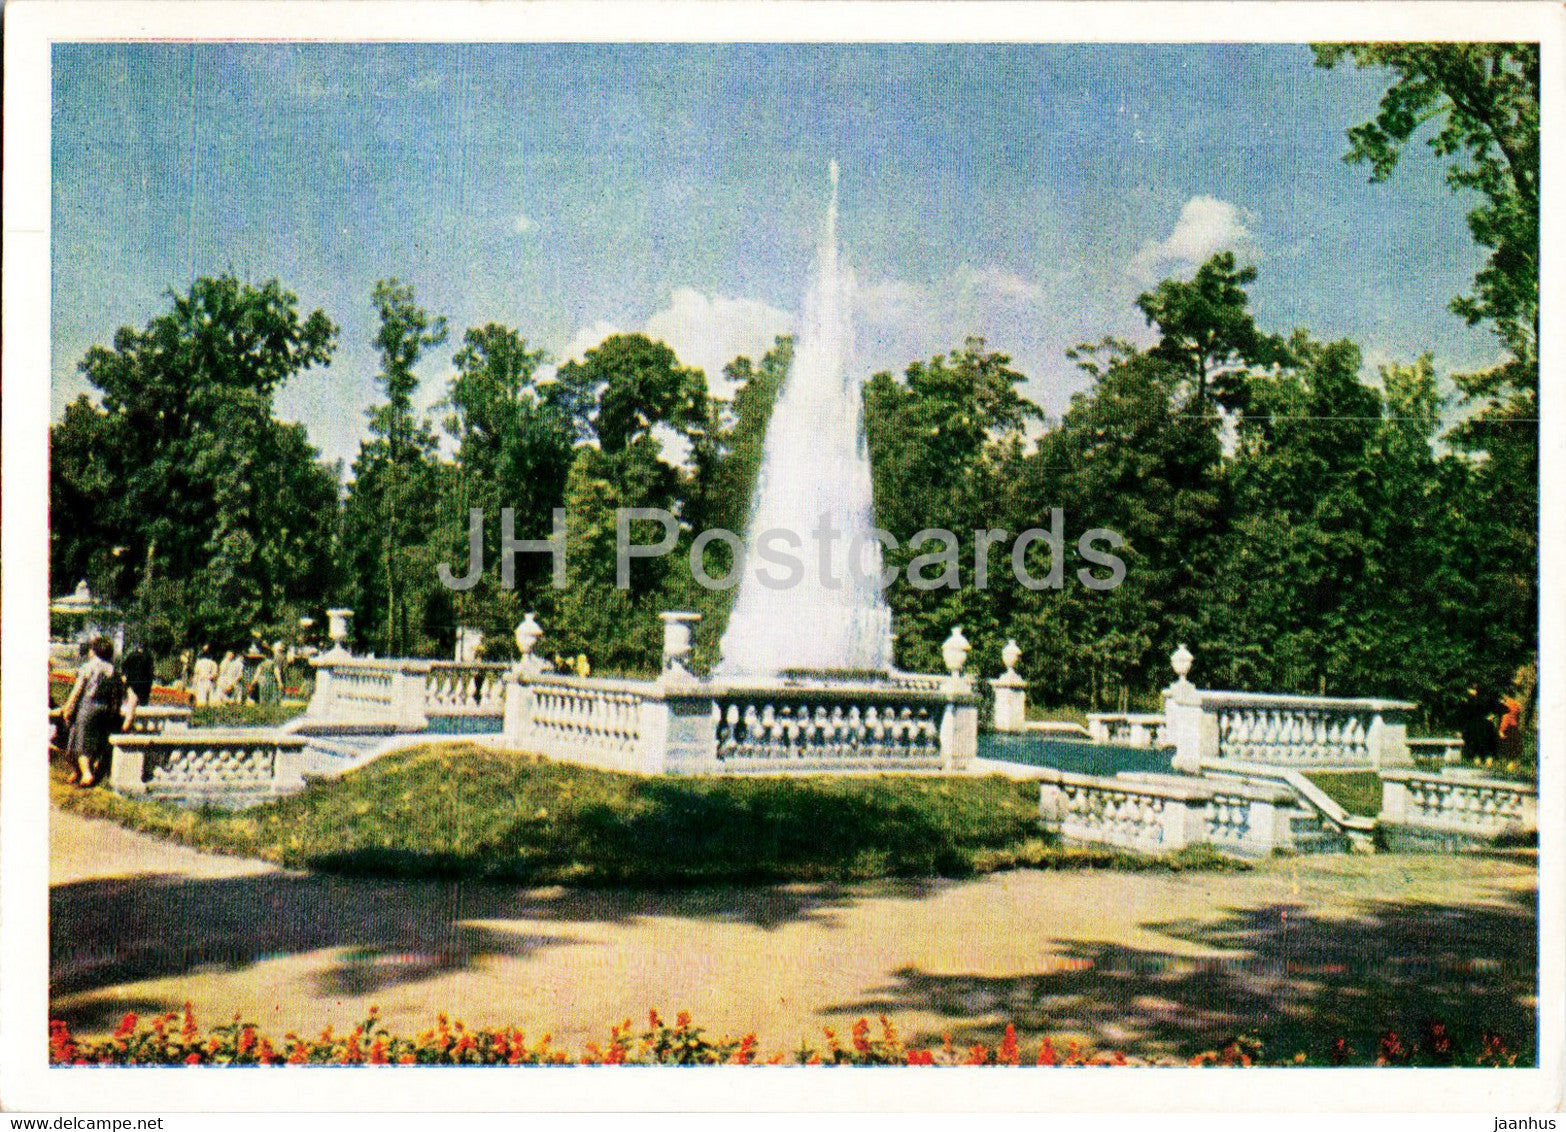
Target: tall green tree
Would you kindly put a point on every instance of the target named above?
(1477, 107)
(513, 450)
(1206, 330)
(392, 537)
(1130, 457)
(182, 497)
(1477, 104)
(952, 426)
(626, 397)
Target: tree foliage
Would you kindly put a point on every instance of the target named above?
(390, 545)
(181, 498)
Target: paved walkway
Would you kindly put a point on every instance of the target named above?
(1298, 951)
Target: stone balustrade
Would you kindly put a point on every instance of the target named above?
(776, 728)
(1447, 749)
(453, 688)
(353, 689)
(1156, 814)
(1334, 822)
(682, 725)
(918, 681)
(1308, 732)
(1128, 729)
(582, 720)
(153, 719)
(230, 767)
(1421, 809)
(403, 692)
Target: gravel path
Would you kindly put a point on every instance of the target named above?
(1298, 951)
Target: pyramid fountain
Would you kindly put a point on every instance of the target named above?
(815, 474)
(805, 682)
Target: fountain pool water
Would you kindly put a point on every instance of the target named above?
(815, 477)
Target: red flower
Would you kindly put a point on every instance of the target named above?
(1008, 1054)
(861, 1036)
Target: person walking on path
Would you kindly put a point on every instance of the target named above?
(268, 681)
(93, 712)
(204, 676)
(230, 675)
(137, 667)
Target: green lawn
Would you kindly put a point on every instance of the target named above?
(1357, 791)
(459, 810)
(245, 715)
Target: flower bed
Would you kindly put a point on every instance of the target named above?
(176, 1039)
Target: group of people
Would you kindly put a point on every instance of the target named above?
(102, 702)
(212, 682)
(104, 697)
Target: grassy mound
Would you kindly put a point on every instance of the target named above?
(459, 810)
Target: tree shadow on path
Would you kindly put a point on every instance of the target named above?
(110, 932)
(1296, 980)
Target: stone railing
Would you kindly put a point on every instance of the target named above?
(452, 688)
(403, 692)
(1310, 732)
(353, 689)
(865, 728)
(1158, 814)
(919, 681)
(153, 719)
(1355, 830)
(228, 767)
(581, 720)
(1420, 806)
(1127, 729)
(1446, 750)
(682, 725)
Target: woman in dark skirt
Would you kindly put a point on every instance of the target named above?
(93, 711)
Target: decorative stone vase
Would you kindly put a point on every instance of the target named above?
(677, 638)
(955, 651)
(337, 629)
(1180, 660)
(527, 635)
(1010, 655)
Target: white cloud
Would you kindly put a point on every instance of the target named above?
(586, 338)
(893, 302)
(1206, 226)
(704, 331)
(711, 331)
(996, 284)
(523, 225)
(966, 292)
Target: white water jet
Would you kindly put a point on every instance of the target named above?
(815, 476)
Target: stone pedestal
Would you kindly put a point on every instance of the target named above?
(1011, 702)
(1192, 732)
(1389, 744)
(126, 772)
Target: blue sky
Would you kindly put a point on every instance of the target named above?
(1025, 193)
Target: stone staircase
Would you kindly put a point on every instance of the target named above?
(1311, 833)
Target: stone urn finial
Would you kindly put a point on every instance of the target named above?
(528, 633)
(677, 638)
(1180, 661)
(1010, 655)
(337, 629)
(954, 652)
